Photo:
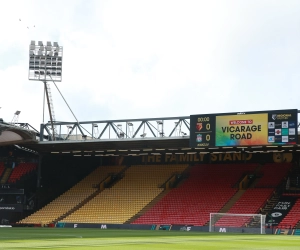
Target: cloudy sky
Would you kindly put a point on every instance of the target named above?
(156, 58)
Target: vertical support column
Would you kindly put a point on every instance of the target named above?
(244, 155)
(49, 108)
(42, 132)
(38, 183)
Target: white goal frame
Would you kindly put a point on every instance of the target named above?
(215, 217)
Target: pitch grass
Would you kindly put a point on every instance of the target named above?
(63, 238)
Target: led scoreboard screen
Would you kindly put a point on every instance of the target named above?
(277, 127)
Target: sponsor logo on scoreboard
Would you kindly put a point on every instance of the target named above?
(281, 116)
(292, 131)
(271, 125)
(285, 124)
(285, 139)
(278, 131)
(292, 124)
(271, 139)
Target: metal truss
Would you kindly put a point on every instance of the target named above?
(26, 126)
(165, 127)
(118, 129)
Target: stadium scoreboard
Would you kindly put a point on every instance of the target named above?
(275, 127)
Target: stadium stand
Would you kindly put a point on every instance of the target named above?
(1, 168)
(21, 170)
(249, 203)
(72, 198)
(273, 174)
(207, 190)
(254, 199)
(292, 218)
(139, 186)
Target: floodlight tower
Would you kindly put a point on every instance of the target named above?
(45, 65)
(16, 117)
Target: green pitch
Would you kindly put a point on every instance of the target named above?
(63, 238)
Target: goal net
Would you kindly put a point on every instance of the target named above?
(237, 223)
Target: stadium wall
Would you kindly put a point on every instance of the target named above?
(160, 227)
(199, 158)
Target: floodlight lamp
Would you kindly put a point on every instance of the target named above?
(43, 61)
(143, 135)
(183, 133)
(159, 122)
(17, 112)
(129, 124)
(95, 125)
(69, 126)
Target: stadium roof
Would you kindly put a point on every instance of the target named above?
(11, 134)
(126, 146)
(143, 146)
(164, 135)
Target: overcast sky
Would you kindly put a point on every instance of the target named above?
(142, 59)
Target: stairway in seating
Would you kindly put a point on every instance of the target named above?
(232, 201)
(208, 188)
(271, 203)
(6, 175)
(139, 186)
(71, 198)
(148, 206)
(85, 201)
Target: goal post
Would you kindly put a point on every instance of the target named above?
(237, 223)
